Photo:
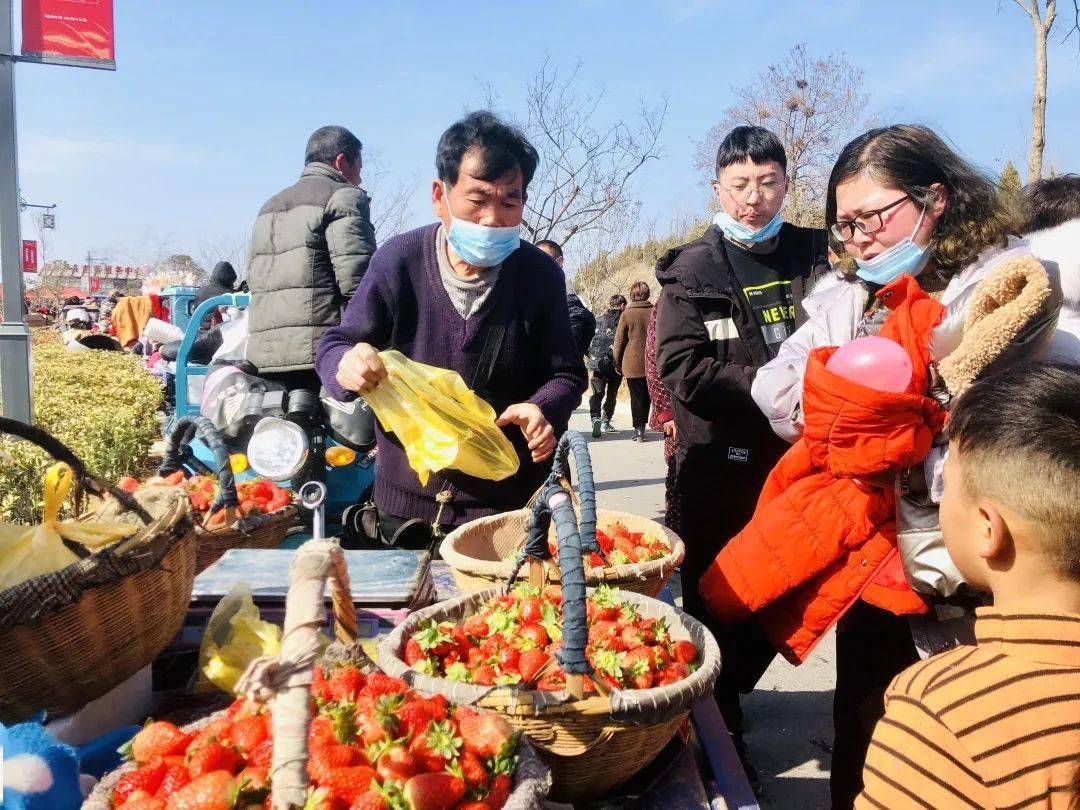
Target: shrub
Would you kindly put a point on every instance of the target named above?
(103, 405)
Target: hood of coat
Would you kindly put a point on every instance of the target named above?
(1061, 246)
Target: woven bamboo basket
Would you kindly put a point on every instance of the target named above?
(68, 637)
(257, 531)
(284, 682)
(592, 742)
(481, 553)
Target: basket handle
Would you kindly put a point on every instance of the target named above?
(547, 740)
(286, 678)
(61, 452)
(177, 444)
(555, 503)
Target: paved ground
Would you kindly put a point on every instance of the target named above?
(789, 716)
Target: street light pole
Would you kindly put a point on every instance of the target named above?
(14, 334)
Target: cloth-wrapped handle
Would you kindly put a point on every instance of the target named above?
(285, 679)
(61, 452)
(176, 448)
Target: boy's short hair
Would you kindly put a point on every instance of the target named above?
(756, 143)
(1018, 438)
(1049, 202)
(550, 247)
(639, 291)
(617, 301)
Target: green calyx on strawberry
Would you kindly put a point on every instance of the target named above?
(433, 638)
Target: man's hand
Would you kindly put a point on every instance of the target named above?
(538, 431)
(360, 368)
(669, 428)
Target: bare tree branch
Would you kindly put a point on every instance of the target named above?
(813, 104)
(586, 169)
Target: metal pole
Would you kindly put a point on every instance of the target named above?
(14, 334)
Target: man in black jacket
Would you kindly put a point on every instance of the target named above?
(605, 376)
(582, 322)
(728, 300)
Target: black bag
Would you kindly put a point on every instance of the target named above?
(602, 346)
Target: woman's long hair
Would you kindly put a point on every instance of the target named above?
(913, 158)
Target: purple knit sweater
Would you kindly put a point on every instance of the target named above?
(402, 304)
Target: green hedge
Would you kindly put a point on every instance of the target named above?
(102, 405)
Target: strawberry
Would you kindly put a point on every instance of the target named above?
(476, 626)
(147, 779)
(213, 791)
(639, 554)
(631, 637)
(476, 658)
(128, 484)
(263, 754)
(248, 732)
(176, 777)
(685, 652)
(433, 791)
(413, 652)
(552, 682)
(346, 683)
(553, 594)
(323, 760)
(217, 729)
(141, 800)
(213, 756)
(484, 675)
(594, 560)
(254, 778)
(395, 763)
(321, 731)
(157, 740)
(603, 539)
(473, 771)
(348, 784)
(530, 610)
(320, 687)
(509, 658)
(501, 787)
(535, 633)
(434, 749)
(486, 735)
(381, 684)
(413, 718)
(531, 662)
(371, 800)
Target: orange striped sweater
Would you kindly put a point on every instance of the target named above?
(994, 725)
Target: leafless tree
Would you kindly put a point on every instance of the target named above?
(44, 236)
(813, 104)
(391, 200)
(1042, 15)
(232, 249)
(587, 167)
(601, 274)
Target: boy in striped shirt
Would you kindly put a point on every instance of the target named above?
(998, 724)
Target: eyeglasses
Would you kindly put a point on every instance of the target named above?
(741, 192)
(867, 222)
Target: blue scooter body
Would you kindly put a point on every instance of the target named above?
(346, 485)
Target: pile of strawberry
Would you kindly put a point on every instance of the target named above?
(374, 745)
(514, 638)
(620, 546)
(258, 497)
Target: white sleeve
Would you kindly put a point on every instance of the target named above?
(777, 387)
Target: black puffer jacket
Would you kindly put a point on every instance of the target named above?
(709, 347)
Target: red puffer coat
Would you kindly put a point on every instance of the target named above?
(822, 536)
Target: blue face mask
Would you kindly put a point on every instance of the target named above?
(903, 257)
(733, 229)
(480, 245)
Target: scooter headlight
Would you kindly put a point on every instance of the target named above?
(278, 449)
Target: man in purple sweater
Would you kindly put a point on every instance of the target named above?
(444, 293)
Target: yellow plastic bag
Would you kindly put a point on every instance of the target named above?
(439, 421)
(30, 552)
(235, 636)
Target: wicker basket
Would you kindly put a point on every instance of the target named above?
(592, 743)
(286, 681)
(481, 553)
(257, 531)
(68, 637)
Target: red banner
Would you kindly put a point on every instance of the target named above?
(29, 256)
(64, 31)
(95, 284)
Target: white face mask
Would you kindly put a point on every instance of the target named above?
(903, 257)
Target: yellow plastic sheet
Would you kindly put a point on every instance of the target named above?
(235, 636)
(439, 421)
(30, 552)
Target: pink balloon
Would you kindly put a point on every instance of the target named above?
(875, 362)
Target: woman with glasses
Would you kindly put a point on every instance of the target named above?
(899, 200)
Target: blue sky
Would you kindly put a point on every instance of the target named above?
(210, 106)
